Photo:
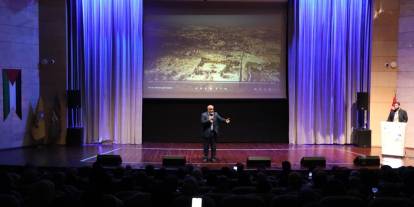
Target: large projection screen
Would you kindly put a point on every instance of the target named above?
(215, 53)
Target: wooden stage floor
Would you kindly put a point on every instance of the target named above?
(228, 154)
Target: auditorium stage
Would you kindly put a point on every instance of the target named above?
(228, 154)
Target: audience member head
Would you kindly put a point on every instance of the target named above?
(41, 193)
(149, 170)
(286, 166)
(190, 186)
(223, 184)
(295, 181)
(319, 178)
(6, 183)
(262, 183)
(30, 174)
(334, 187)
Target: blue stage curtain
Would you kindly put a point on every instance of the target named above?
(329, 62)
(106, 65)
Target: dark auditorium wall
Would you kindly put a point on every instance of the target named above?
(178, 120)
(52, 40)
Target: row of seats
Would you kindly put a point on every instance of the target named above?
(150, 187)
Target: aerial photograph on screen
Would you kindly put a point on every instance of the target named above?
(219, 49)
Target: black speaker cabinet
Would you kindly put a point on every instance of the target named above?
(109, 160)
(173, 161)
(362, 137)
(312, 162)
(362, 100)
(258, 161)
(367, 161)
(73, 98)
(74, 136)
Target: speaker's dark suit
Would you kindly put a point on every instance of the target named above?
(210, 134)
(402, 115)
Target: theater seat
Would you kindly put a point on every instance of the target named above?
(240, 190)
(341, 201)
(391, 202)
(287, 200)
(242, 201)
(217, 197)
(9, 200)
(134, 198)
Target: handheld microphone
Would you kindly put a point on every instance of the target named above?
(211, 117)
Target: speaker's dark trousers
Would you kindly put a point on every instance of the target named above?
(210, 142)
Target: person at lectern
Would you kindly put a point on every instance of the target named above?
(210, 121)
(397, 114)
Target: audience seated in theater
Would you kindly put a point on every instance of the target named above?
(151, 187)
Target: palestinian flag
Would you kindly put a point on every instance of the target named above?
(12, 92)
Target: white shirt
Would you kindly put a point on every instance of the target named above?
(212, 124)
(396, 118)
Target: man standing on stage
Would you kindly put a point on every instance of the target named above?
(397, 114)
(210, 129)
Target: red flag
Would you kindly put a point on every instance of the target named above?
(394, 100)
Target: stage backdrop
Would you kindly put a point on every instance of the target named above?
(329, 62)
(329, 56)
(106, 65)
